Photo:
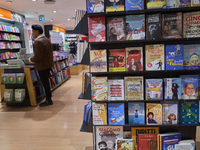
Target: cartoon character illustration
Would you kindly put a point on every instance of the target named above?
(114, 3)
(159, 65)
(194, 59)
(171, 117)
(178, 48)
(150, 117)
(175, 91)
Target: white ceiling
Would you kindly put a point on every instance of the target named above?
(65, 10)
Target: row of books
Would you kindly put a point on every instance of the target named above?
(12, 78)
(136, 27)
(59, 65)
(97, 6)
(14, 95)
(10, 37)
(8, 28)
(139, 138)
(10, 45)
(39, 89)
(8, 55)
(35, 75)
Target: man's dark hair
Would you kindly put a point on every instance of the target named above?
(102, 142)
(37, 27)
(150, 113)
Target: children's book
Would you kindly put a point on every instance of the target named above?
(33, 74)
(154, 89)
(116, 89)
(19, 95)
(134, 5)
(12, 78)
(126, 144)
(8, 95)
(152, 4)
(4, 78)
(185, 3)
(20, 78)
(95, 6)
(115, 5)
(195, 3)
(154, 114)
(147, 141)
(172, 4)
(99, 113)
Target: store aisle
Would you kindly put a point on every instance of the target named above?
(53, 127)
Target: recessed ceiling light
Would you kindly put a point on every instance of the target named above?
(51, 19)
(9, 2)
(54, 11)
(34, 0)
(75, 10)
(68, 19)
(35, 12)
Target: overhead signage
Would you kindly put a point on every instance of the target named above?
(5, 14)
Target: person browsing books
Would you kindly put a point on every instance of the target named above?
(189, 90)
(43, 59)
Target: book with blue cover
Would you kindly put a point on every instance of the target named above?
(33, 74)
(154, 89)
(116, 114)
(189, 113)
(174, 57)
(95, 6)
(134, 5)
(136, 112)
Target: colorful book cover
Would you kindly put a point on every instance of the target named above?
(134, 5)
(134, 59)
(172, 4)
(12, 78)
(99, 113)
(136, 113)
(172, 88)
(147, 141)
(19, 95)
(95, 6)
(190, 87)
(135, 27)
(142, 130)
(191, 24)
(189, 113)
(191, 57)
(195, 3)
(117, 60)
(174, 57)
(170, 112)
(172, 25)
(154, 89)
(115, 5)
(127, 135)
(134, 88)
(116, 29)
(4, 78)
(153, 26)
(154, 113)
(98, 60)
(184, 147)
(97, 29)
(116, 89)
(125, 144)
(8, 95)
(99, 88)
(116, 114)
(33, 74)
(185, 3)
(20, 78)
(151, 4)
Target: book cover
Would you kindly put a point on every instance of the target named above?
(12, 78)
(116, 114)
(172, 88)
(98, 60)
(134, 5)
(99, 112)
(97, 29)
(134, 59)
(185, 3)
(99, 88)
(156, 4)
(19, 95)
(184, 147)
(134, 88)
(4, 78)
(170, 113)
(20, 78)
(115, 5)
(191, 24)
(189, 113)
(172, 4)
(155, 57)
(8, 95)
(153, 26)
(117, 60)
(33, 74)
(174, 56)
(172, 25)
(147, 141)
(168, 141)
(153, 114)
(125, 144)
(191, 57)
(116, 29)
(116, 89)
(154, 89)
(195, 3)
(136, 113)
(127, 135)
(135, 27)
(142, 130)
(95, 6)
(106, 136)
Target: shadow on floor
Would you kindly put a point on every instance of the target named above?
(16, 109)
(89, 148)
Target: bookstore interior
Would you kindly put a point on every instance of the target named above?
(142, 86)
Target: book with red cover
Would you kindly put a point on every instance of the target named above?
(97, 29)
(147, 141)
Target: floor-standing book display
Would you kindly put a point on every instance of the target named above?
(160, 84)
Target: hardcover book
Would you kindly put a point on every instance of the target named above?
(172, 25)
(154, 89)
(98, 60)
(136, 113)
(115, 5)
(99, 88)
(116, 29)
(95, 6)
(12, 78)
(154, 114)
(116, 114)
(155, 57)
(134, 5)
(126, 144)
(117, 60)
(19, 95)
(99, 112)
(185, 3)
(153, 26)
(116, 89)
(156, 4)
(4, 78)
(8, 95)
(134, 88)
(134, 59)
(20, 78)
(147, 141)
(173, 4)
(97, 29)
(189, 113)
(106, 136)
(135, 27)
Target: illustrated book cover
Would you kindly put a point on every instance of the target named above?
(154, 89)
(151, 4)
(95, 6)
(154, 113)
(115, 5)
(126, 144)
(99, 112)
(116, 89)
(147, 141)
(134, 5)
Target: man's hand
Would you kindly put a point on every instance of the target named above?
(30, 61)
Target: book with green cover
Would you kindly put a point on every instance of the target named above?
(12, 78)
(4, 78)
(20, 78)
(19, 95)
(8, 95)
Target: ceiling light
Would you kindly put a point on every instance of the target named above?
(51, 19)
(54, 11)
(9, 2)
(34, 0)
(35, 12)
(75, 10)
(68, 19)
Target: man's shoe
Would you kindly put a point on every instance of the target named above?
(46, 103)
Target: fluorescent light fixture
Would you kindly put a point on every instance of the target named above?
(54, 11)
(9, 2)
(68, 19)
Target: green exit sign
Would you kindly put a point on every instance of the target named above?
(41, 18)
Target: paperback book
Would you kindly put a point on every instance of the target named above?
(154, 114)
(20, 78)
(185, 3)
(156, 4)
(126, 144)
(134, 5)
(19, 95)
(95, 6)
(115, 5)
(8, 95)
(172, 4)
(154, 89)
(12, 78)
(4, 78)
(116, 89)
(99, 112)
(147, 141)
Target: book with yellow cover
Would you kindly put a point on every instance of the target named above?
(156, 4)
(154, 113)
(115, 5)
(142, 130)
(99, 113)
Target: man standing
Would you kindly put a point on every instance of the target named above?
(43, 59)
